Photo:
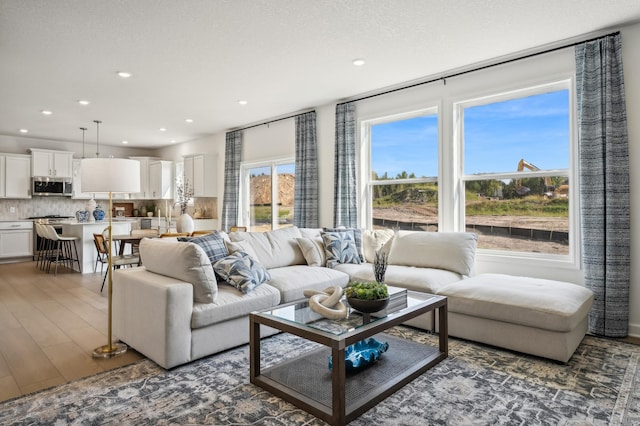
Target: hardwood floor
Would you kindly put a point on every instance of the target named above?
(49, 326)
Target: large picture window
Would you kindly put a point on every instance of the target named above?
(267, 193)
(517, 173)
(403, 171)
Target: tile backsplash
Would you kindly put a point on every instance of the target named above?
(63, 206)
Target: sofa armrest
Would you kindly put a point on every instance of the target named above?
(152, 314)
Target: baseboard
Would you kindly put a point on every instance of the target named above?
(634, 330)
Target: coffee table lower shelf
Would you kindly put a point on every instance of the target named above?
(306, 381)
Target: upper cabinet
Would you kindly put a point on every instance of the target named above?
(200, 174)
(45, 162)
(161, 179)
(15, 176)
(155, 179)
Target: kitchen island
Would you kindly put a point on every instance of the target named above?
(87, 252)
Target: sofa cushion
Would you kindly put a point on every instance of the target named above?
(183, 261)
(357, 236)
(313, 251)
(291, 281)
(533, 302)
(426, 280)
(453, 251)
(374, 240)
(273, 249)
(232, 303)
(213, 245)
(340, 247)
(241, 271)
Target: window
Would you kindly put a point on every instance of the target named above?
(516, 174)
(267, 193)
(402, 184)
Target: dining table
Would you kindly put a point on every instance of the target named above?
(122, 240)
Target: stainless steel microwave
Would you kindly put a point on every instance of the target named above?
(50, 186)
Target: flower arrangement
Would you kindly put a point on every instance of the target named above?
(185, 193)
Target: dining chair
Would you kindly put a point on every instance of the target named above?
(117, 260)
(196, 233)
(238, 229)
(174, 234)
(135, 245)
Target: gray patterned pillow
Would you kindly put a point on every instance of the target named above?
(340, 247)
(212, 244)
(357, 236)
(241, 271)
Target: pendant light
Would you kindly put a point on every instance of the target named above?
(83, 130)
(97, 137)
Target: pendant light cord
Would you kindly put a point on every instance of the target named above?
(97, 137)
(83, 130)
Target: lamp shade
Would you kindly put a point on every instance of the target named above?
(119, 175)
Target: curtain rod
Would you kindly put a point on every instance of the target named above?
(507, 61)
(271, 121)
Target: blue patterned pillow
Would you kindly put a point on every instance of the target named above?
(241, 271)
(357, 236)
(340, 247)
(212, 244)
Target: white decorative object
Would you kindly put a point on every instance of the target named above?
(90, 207)
(327, 302)
(185, 223)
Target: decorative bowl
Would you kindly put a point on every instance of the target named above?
(368, 306)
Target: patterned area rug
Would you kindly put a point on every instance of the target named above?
(477, 385)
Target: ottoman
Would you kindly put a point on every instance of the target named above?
(536, 316)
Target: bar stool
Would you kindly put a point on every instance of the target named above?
(62, 246)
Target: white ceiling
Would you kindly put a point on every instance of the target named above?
(195, 59)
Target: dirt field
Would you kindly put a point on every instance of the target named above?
(513, 243)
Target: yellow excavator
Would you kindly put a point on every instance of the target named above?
(549, 188)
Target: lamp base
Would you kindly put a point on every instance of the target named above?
(109, 351)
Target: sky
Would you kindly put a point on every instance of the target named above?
(497, 136)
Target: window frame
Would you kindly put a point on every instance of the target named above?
(572, 260)
(244, 205)
(366, 169)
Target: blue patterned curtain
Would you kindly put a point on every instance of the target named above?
(305, 210)
(604, 183)
(232, 159)
(345, 201)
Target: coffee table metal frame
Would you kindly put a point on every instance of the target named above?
(339, 413)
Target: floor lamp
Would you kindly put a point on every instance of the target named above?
(110, 175)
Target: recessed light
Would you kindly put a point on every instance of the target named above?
(188, 120)
(173, 141)
(242, 102)
(46, 112)
(23, 130)
(162, 129)
(124, 74)
(83, 102)
(125, 142)
(358, 62)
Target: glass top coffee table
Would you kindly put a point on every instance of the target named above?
(336, 395)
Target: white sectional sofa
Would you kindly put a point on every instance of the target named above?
(174, 310)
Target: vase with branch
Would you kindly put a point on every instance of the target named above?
(184, 193)
(380, 265)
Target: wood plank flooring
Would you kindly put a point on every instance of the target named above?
(49, 326)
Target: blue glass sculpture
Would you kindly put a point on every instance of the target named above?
(362, 353)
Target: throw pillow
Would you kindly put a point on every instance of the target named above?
(357, 235)
(184, 262)
(313, 251)
(212, 244)
(241, 271)
(340, 247)
(374, 240)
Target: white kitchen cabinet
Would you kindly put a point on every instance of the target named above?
(45, 162)
(200, 174)
(15, 176)
(145, 192)
(16, 239)
(161, 180)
